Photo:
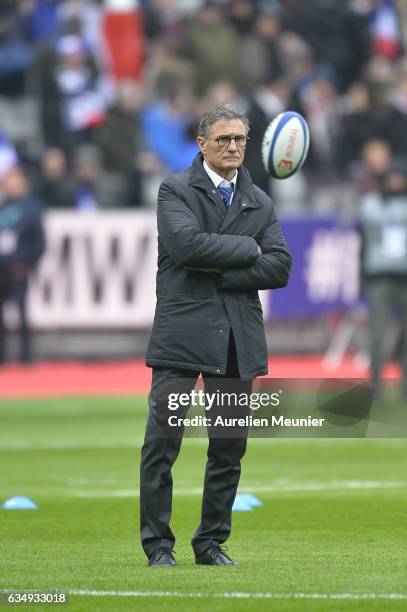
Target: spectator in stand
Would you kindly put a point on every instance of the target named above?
(163, 20)
(242, 15)
(372, 110)
(91, 189)
(267, 61)
(166, 127)
(320, 104)
(213, 45)
(375, 162)
(337, 33)
(120, 143)
(360, 124)
(54, 186)
(21, 246)
(296, 59)
(218, 94)
(166, 68)
(74, 95)
(86, 18)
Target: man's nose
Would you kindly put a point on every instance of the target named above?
(232, 144)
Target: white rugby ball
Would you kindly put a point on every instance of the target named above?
(285, 145)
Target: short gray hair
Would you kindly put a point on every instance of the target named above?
(221, 112)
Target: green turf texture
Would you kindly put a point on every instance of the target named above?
(78, 459)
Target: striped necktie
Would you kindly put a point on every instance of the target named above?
(226, 191)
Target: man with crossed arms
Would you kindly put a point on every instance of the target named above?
(219, 242)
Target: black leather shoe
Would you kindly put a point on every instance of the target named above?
(214, 556)
(163, 557)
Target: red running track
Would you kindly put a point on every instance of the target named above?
(133, 377)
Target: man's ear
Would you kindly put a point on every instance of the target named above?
(202, 144)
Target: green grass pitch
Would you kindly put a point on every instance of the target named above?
(332, 521)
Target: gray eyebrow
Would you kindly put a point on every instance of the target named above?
(230, 136)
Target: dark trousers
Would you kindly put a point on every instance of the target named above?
(16, 291)
(160, 451)
(387, 297)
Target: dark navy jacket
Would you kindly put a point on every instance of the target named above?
(197, 310)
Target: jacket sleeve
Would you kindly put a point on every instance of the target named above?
(186, 243)
(271, 270)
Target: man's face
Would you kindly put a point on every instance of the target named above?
(222, 155)
(14, 184)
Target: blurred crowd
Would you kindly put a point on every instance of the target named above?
(99, 101)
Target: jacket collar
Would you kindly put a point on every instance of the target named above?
(217, 179)
(199, 178)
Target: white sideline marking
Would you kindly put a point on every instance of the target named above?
(23, 445)
(241, 595)
(135, 443)
(345, 485)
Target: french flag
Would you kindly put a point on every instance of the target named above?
(385, 30)
(124, 37)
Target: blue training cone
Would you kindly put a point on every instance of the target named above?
(20, 502)
(240, 505)
(251, 500)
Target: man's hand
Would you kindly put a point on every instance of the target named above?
(216, 270)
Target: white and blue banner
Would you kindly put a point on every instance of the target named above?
(99, 270)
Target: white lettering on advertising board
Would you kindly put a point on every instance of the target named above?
(98, 271)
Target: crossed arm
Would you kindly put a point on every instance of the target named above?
(244, 263)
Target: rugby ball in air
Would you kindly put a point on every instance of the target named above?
(285, 145)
